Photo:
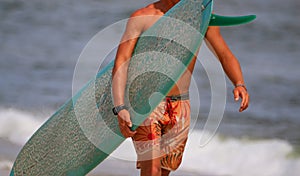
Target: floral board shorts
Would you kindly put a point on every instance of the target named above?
(164, 133)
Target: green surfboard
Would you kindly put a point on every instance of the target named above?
(84, 131)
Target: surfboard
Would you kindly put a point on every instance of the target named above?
(84, 131)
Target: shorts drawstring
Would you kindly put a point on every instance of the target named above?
(170, 110)
(169, 107)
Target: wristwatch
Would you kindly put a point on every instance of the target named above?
(117, 109)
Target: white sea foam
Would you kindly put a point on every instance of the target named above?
(240, 157)
(5, 165)
(221, 156)
(230, 156)
(17, 126)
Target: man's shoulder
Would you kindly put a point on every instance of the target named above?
(148, 10)
(143, 18)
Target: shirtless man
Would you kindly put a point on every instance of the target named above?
(161, 121)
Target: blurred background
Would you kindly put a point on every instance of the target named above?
(40, 42)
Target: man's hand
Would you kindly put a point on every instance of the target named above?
(125, 123)
(241, 92)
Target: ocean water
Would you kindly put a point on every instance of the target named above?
(40, 42)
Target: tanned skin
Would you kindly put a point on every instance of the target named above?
(145, 18)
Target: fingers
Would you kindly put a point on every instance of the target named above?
(126, 131)
(236, 95)
(241, 92)
(245, 101)
(125, 124)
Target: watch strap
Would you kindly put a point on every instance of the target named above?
(119, 108)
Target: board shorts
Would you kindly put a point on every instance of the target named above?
(164, 133)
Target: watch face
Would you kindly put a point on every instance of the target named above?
(114, 111)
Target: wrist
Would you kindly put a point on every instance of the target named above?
(240, 85)
(119, 108)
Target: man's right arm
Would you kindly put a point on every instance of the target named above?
(133, 30)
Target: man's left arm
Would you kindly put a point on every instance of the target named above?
(230, 65)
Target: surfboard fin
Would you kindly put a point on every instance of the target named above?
(217, 20)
